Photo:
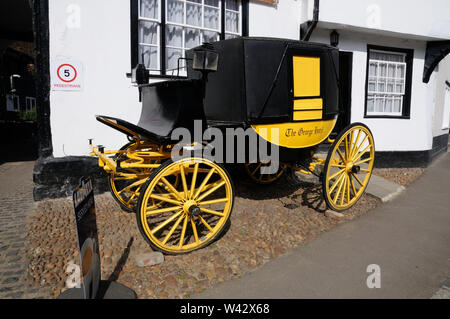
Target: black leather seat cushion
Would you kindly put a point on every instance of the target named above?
(165, 106)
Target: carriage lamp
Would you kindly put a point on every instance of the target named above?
(140, 75)
(334, 38)
(205, 58)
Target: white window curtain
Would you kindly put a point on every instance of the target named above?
(386, 83)
(189, 23)
(149, 28)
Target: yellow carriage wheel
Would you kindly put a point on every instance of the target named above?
(125, 184)
(191, 214)
(253, 170)
(348, 167)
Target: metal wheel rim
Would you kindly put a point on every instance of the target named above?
(164, 233)
(348, 173)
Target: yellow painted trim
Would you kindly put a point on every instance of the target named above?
(308, 104)
(307, 115)
(182, 206)
(344, 154)
(306, 72)
(296, 134)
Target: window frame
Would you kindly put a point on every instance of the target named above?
(158, 36)
(14, 102)
(406, 104)
(135, 18)
(30, 103)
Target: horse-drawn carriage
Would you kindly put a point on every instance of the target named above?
(286, 92)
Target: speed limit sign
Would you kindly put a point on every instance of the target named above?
(66, 75)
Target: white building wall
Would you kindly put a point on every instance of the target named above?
(279, 21)
(412, 134)
(426, 19)
(101, 42)
(99, 37)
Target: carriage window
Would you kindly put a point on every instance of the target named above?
(386, 83)
(167, 28)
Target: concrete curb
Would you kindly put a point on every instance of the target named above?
(383, 189)
(393, 195)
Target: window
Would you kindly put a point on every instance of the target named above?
(12, 103)
(167, 28)
(149, 29)
(30, 103)
(388, 82)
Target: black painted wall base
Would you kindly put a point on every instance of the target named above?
(412, 158)
(402, 159)
(58, 177)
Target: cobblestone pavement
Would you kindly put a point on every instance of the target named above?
(267, 221)
(16, 204)
(38, 240)
(443, 292)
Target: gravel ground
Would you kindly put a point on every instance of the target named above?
(402, 176)
(267, 221)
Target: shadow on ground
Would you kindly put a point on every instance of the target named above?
(284, 190)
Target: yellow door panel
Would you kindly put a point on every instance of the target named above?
(307, 115)
(308, 104)
(306, 72)
(296, 134)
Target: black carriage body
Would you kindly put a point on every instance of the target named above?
(254, 85)
(254, 82)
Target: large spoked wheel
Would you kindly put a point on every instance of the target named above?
(253, 170)
(348, 167)
(177, 219)
(126, 183)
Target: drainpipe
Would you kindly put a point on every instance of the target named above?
(307, 28)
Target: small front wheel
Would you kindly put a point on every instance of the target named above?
(348, 167)
(177, 219)
(125, 184)
(253, 170)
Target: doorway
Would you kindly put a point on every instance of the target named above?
(345, 91)
(18, 114)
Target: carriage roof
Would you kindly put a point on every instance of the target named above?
(255, 80)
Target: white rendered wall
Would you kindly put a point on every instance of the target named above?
(279, 21)
(414, 134)
(102, 44)
(426, 19)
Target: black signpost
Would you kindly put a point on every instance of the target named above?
(91, 286)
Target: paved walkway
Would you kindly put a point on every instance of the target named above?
(408, 238)
(16, 203)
